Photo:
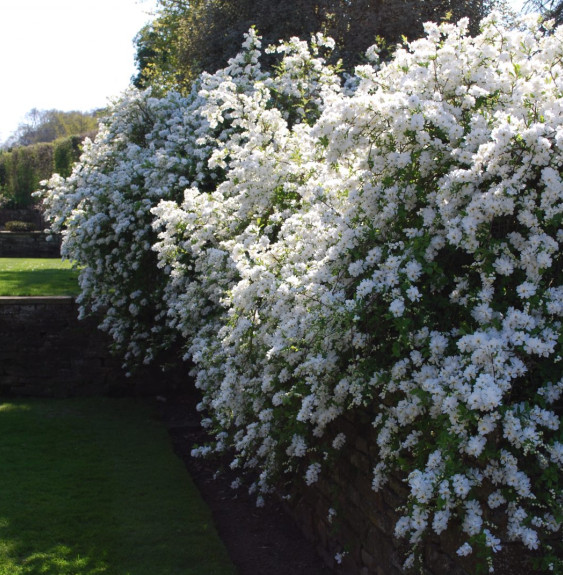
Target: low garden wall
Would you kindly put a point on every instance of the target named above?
(350, 523)
(353, 526)
(29, 245)
(45, 351)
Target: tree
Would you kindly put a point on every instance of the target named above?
(551, 9)
(157, 51)
(48, 125)
(187, 38)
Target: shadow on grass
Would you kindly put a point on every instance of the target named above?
(39, 282)
(91, 486)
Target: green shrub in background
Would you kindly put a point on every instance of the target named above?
(17, 226)
(66, 151)
(23, 167)
(31, 164)
(5, 164)
(3, 177)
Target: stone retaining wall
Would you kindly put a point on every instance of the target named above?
(29, 245)
(362, 528)
(45, 351)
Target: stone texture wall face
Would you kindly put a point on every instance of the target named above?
(45, 351)
(28, 245)
(365, 520)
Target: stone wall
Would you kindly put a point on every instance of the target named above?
(29, 245)
(362, 527)
(45, 351)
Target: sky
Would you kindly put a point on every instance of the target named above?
(65, 54)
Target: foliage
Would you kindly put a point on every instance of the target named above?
(91, 486)
(550, 9)
(18, 226)
(37, 277)
(157, 52)
(136, 160)
(187, 38)
(23, 168)
(148, 150)
(66, 151)
(50, 125)
(391, 244)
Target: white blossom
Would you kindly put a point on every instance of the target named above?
(317, 248)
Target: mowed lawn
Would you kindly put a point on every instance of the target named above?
(92, 486)
(37, 277)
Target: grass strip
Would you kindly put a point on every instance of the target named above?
(91, 486)
(37, 277)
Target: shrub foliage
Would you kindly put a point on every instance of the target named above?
(19, 226)
(390, 243)
(23, 168)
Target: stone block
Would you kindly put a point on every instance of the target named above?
(29, 245)
(46, 351)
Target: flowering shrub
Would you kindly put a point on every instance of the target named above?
(455, 272)
(102, 211)
(148, 149)
(391, 245)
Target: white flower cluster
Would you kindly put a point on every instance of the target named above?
(103, 212)
(147, 150)
(393, 245)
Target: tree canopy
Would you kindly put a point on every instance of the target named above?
(551, 9)
(41, 126)
(189, 37)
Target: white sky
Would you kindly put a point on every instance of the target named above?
(65, 54)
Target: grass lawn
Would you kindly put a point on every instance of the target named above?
(37, 277)
(91, 486)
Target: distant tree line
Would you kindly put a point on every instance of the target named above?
(50, 125)
(191, 36)
(48, 142)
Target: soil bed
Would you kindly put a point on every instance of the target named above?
(260, 541)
